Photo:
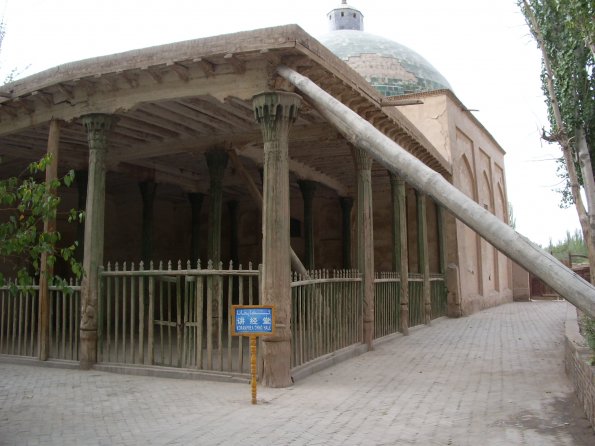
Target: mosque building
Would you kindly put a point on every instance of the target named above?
(198, 161)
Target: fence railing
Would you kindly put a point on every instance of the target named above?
(177, 317)
(387, 301)
(326, 313)
(387, 304)
(416, 299)
(438, 294)
(19, 314)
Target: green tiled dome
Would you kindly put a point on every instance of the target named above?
(393, 69)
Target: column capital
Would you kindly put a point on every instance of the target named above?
(346, 203)
(97, 126)
(362, 160)
(307, 187)
(216, 162)
(395, 179)
(275, 110)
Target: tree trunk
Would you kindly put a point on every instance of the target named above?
(584, 216)
(393, 157)
(589, 182)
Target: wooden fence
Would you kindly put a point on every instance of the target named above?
(387, 301)
(19, 329)
(177, 317)
(326, 313)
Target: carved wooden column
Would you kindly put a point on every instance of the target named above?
(365, 238)
(49, 225)
(275, 112)
(423, 254)
(216, 162)
(195, 207)
(81, 180)
(97, 126)
(346, 206)
(399, 196)
(441, 239)
(308, 188)
(147, 190)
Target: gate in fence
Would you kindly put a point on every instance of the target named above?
(177, 317)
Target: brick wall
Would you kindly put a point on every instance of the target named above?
(582, 375)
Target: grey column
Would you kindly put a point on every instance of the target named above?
(217, 162)
(49, 225)
(195, 208)
(365, 238)
(346, 206)
(234, 243)
(81, 180)
(423, 253)
(275, 112)
(147, 190)
(308, 188)
(97, 126)
(400, 242)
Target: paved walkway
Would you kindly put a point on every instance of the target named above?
(495, 378)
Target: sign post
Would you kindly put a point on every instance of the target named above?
(253, 321)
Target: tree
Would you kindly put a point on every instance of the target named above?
(564, 32)
(26, 203)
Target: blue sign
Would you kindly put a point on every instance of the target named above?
(252, 320)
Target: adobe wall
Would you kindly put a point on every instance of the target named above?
(485, 275)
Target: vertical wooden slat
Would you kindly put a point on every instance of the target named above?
(199, 320)
(26, 337)
(2, 318)
(63, 322)
(77, 306)
(71, 316)
(240, 338)
(20, 319)
(141, 317)
(209, 323)
(219, 281)
(117, 315)
(179, 327)
(108, 311)
(230, 282)
(133, 298)
(150, 316)
(124, 313)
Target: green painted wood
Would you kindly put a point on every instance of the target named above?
(196, 200)
(423, 254)
(148, 190)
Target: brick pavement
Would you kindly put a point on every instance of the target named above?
(495, 378)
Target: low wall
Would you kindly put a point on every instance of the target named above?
(577, 355)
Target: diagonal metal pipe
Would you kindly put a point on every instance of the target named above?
(396, 159)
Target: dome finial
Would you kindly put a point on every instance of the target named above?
(345, 17)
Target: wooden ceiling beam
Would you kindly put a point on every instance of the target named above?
(238, 65)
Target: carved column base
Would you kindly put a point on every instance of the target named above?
(428, 313)
(369, 334)
(276, 356)
(405, 319)
(88, 349)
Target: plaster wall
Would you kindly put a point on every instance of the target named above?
(478, 171)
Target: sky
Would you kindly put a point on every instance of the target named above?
(482, 47)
